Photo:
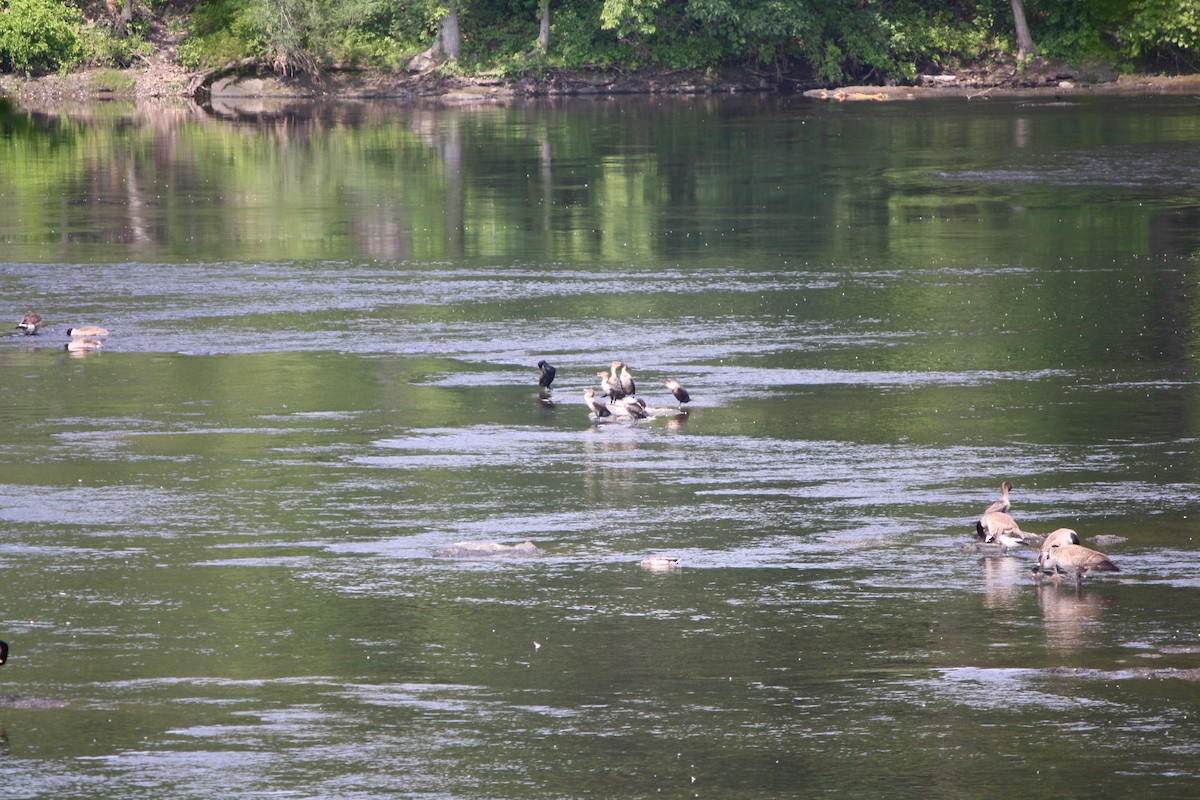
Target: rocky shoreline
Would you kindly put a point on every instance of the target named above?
(161, 79)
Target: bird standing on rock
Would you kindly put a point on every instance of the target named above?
(547, 376)
(626, 379)
(1002, 505)
(996, 526)
(680, 393)
(611, 386)
(597, 408)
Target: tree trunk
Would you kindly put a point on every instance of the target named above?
(450, 35)
(121, 14)
(543, 42)
(1024, 40)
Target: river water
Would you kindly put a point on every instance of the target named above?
(222, 535)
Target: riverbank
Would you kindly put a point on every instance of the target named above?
(160, 78)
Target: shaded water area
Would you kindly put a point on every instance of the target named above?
(221, 535)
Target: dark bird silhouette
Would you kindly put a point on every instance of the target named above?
(3, 652)
(30, 324)
(681, 394)
(596, 406)
(547, 376)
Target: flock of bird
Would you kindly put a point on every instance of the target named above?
(618, 391)
(1059, 552)
(83, 338)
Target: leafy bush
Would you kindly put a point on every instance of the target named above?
(1157, 27)
(39, 36)
(102, 49)
(221, 31)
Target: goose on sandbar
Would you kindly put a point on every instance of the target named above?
(1002, 505)
(996, 526)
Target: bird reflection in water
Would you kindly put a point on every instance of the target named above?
(1070, 614)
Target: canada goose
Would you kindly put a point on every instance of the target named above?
(1002, 505)
(3, 652)
(996, 526)
(547, 376)
(87, 330)
(659, 563)
(681, 394)
(598, 408)
(1062, 555)
(627, 384)
(611, 386)
(83, 344)
(30, 324)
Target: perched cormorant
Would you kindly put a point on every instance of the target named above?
(611, 386)
(627, 384)
(597, 407)
(681, 394)
(547, 376)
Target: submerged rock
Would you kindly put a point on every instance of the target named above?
(489, 550)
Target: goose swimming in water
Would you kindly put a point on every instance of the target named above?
(597, 408)
(1002, 505)
(30, 324)
(547, 376)
(1061, 554)
(83, 344)
(680, 393)
(87, 331)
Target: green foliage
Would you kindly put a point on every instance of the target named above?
(1161, 25)
(833, 40)
(101, 48)
(630, 17)
(39, 36)
(221, 31)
